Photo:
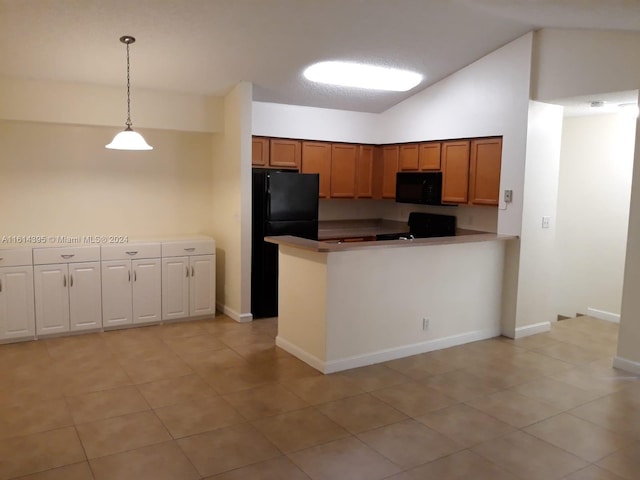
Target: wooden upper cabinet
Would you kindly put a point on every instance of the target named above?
(364, 171)
(409, 157)
(484, 176)
(285, 153)
(390, 158)
(316, 158)
(260, 151)
(430, 155)
(455, 171)
(344, 159)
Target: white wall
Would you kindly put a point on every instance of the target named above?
(570, 63)
(311, 123)
(231, 201)
(596, 165)
(534, 310)
(81, 104)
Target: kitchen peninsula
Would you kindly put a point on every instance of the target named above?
(345, 305)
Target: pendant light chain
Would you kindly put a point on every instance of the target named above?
(128, 123)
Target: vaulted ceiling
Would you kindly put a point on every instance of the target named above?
(208, 46)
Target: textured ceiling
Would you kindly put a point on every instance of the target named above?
(207, 46)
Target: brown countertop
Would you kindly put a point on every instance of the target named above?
(320, 246)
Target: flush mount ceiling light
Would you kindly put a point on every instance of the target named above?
(128, 139)
(596, 104)
(359, 75)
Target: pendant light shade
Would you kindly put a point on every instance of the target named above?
(128, 139)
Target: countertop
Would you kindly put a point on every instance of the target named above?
(337, 229)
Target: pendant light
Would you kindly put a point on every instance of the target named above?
(128, 139)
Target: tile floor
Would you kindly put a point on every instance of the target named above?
(216, 399)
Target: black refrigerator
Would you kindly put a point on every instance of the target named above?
(284, 203)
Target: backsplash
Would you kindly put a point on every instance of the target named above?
(473, 218)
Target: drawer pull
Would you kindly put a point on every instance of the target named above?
(0, 283)
(132, 253)
(190, 249)
(71, 280)
(193, 272)
(129, 275)
(64, 281)
(69, 255)
(135, 276)
(187, 275)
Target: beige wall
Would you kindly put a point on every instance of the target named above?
(73, 103)
(231, 205)
(60, 180)
(596, 165)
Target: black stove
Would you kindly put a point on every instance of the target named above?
(424, 225)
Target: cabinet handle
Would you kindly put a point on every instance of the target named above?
(0, 283)
(132, 253)
(1, 259)
(191, 249)
(129, 275)
(187, 275)
(64, 281)
(71, 280)
(135, 276)
(70, 255)
(193, 272)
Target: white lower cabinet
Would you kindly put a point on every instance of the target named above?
(17, 314)
(188, 279)
(131, 292)
(68, 296)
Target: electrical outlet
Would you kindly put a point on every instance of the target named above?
(425, 324)
(545, 222)
(508, 196)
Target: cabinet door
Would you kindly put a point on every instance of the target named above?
(344, 158)
(430, 156)
(390, 155)
(284, 153)
(409, 157)
(455, 172)
(259, 151)
(85, 296)
(175, 287)
(316, 158)
(364, 172)
(116, 293)
(147, 306)
(202, 286)
(484, 178)
(17, 314)
(52, 298)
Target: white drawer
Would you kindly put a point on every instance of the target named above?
(188, 247)
(15, 257)
(44, 256)
(131, 251)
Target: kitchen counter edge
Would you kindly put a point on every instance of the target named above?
(320, 246)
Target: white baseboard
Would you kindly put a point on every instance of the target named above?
(238, 317)
(303, 355)
(627, 365)
(386, 354)
(602, 315)
(528, 330)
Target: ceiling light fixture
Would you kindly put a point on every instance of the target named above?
(359, 75)
(596, 104)
(128, 139)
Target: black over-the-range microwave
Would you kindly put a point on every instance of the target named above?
(423, 188)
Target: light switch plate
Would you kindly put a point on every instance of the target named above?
(545, 222)
(508, 196)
